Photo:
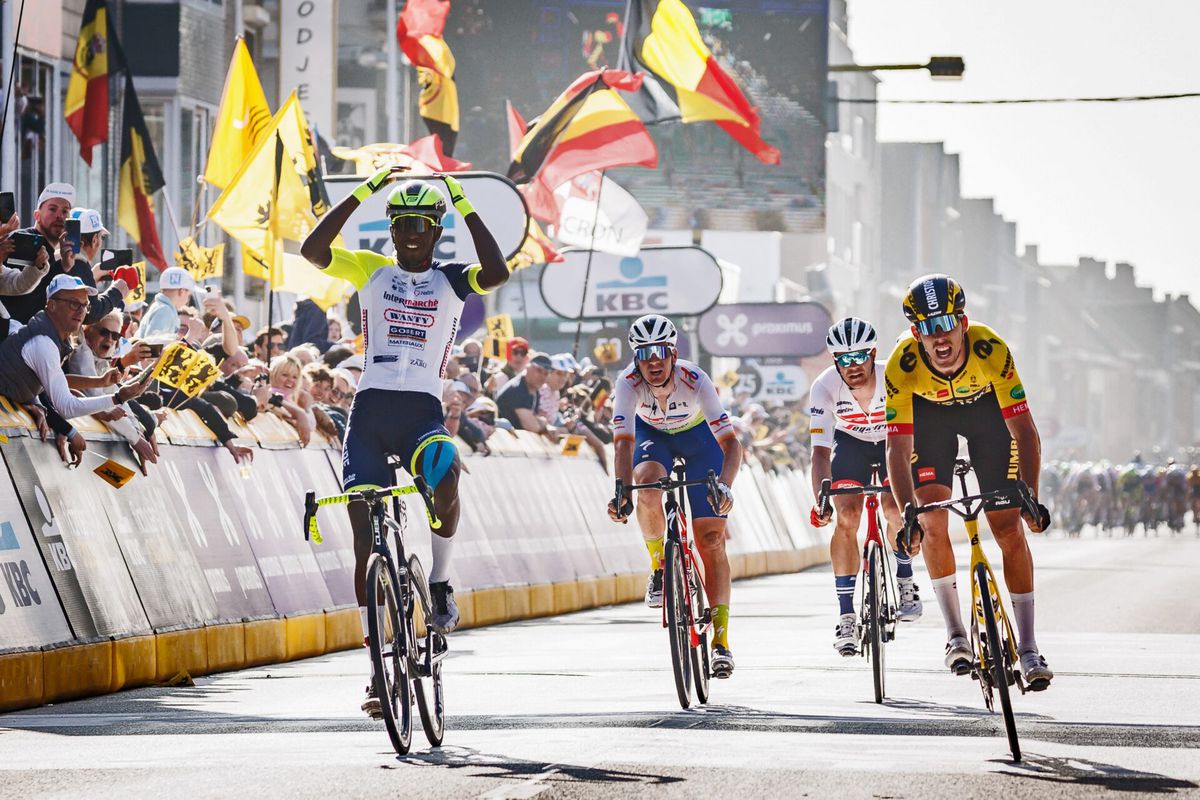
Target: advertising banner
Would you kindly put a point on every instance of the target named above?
(308, 57)
(30, 614)
(65, 509)
(676, 281)
(595, 212)
(266, 510)
(782, 382)
(760, 330)
(190, 483)
(495, 198)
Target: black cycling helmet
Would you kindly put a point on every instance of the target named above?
(933, 295)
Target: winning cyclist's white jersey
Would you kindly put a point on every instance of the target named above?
(833, 407)
(693, 401)
(409, 319)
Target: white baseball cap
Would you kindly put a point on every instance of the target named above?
(176, 278)
(66, 283)
(564, 362)
(89, 220)
(64, 190)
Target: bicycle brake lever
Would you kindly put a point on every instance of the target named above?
(311, 531)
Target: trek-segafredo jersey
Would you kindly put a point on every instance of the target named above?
(409, 319)
(693, 401)
(832, 407)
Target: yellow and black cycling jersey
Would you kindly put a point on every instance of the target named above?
(988, 371)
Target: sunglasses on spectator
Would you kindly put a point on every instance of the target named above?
(413, 223)
(659, 351)
(943, 323)
(854, 359)
(519, 352)
(339, 394)
(112, 336)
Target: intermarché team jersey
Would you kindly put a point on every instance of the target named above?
(833, 407)
(693, 401)
(989, 370)
(409, 319)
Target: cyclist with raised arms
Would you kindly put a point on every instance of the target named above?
(848, 429)
(411, 306)
(952, 378)
(666, 408)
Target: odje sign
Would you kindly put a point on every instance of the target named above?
(676, 281)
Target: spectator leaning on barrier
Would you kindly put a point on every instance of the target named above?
(285, 401)
(94, 359)
(518, 400)
(31, 361)
(50, 220)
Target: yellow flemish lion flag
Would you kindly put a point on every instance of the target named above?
(138, 295)
(202, 262)
(189, 371)
(269, 210)
(241, 121)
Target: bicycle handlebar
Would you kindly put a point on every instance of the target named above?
(665, 484)
(827, 491)
(970, 505)
(312, 503)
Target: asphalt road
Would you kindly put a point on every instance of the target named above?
(583, 706)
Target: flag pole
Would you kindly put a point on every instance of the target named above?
(587, 273)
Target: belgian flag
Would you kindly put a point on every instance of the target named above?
(140, 177)
(87, 92)
(588, 127)
(419, 31)
(663, 40)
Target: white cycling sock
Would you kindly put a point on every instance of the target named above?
(946, 590)
(439, 571)
(1023, 611)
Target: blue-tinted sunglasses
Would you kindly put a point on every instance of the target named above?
(660, 351)
(943, 323)
(852, 359)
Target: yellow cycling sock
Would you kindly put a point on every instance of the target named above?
(720, 617)
(655, 546)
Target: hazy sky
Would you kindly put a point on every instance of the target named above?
(1118, 181)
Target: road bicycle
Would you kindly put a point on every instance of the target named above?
(686, 614)
(996, 664)
(406, 652)
(878, 607)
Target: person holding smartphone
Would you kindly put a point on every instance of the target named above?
(17, 280)
(50, 222)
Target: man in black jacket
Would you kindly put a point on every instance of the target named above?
(50, 222)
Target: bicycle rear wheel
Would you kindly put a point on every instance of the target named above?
(677, 621)
(699, 653)
(876, 636)
(997, 664)
(429, 644)
(389, 662)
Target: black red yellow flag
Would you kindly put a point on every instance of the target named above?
(139, 179)
(87, 93)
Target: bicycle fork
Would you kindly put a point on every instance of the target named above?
(983, 649)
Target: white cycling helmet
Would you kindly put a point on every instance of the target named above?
(850, 334)
(652, 329)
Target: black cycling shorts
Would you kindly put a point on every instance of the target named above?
(853, 458)
(992, 450)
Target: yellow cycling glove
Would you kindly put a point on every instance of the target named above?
(457, 196)
(371, 185)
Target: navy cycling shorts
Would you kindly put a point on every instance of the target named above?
(387, 423)
(696, 446)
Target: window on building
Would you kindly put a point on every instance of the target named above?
(36, 110)
(194, 123)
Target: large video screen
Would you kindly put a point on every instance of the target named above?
(528, 51)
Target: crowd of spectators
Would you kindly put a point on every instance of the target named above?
(71, 346)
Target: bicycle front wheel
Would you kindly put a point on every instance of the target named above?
(996, 659)
(876, 634)
(430, 648)
(677, 621)
(699, 653)
(389, 661)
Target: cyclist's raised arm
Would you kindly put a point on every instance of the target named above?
(316, 245)
(493, 268)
